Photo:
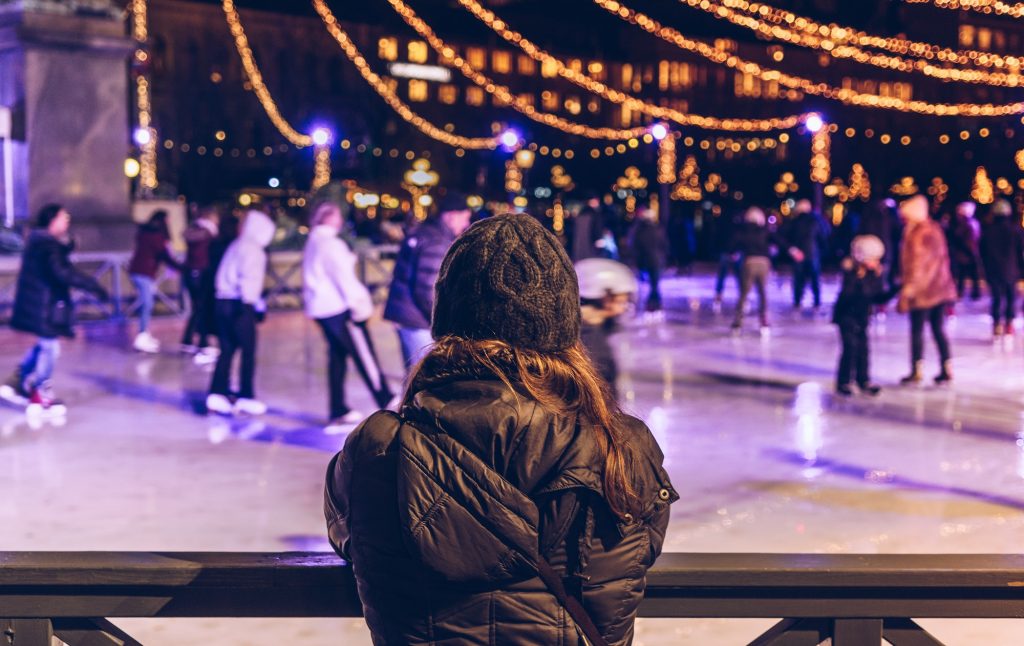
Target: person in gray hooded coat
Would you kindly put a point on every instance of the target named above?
(509, 501)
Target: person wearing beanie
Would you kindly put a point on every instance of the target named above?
(509, 501)
(1002, 251)
(411, 295)
(926, 286)
(341, 305)
(239, 290)
(863, 288)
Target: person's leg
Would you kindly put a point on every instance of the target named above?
(1010, 297)
(724, 266)
(191, 282)
(814, 271)
(337, 364)
(997, 307)
(145, 287)
(46, 361)
(245, 333)
(746, 281)
(415, 344)
(654, 298)
(799, 279)
(28, 363)
(365, 357)
(862, 358)
(975, 273)
(761, 275)
(937, 320)
(224, 313)
(917, 318)
(843, 374)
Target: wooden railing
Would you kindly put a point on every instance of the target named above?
(854, 599)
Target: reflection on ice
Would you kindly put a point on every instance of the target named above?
(808, 409)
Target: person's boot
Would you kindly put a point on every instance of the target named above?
(998, 330)
(914, 378)
(870, 389)
(13, 389)
(844, 389)
(945, 376)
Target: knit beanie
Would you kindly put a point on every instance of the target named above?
(506, 278)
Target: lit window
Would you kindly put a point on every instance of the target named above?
(417, 51)
(526, 99)
(549, 100)
(573, 105)
(474, 96)
(417, 90)
(627, 75)
(548, 68)
(596, 69)
(527, 66)
(448, 94)
(663, 75)
(476, 57)
(387, 49)
(984, 38)
(627, 116)
(575, 65)
(967, 35)
(501, 62)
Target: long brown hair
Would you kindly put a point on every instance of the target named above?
(564, 383)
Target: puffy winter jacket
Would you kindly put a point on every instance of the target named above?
(150, 252)
(1002, 249)
(330, 285)
(243, 269)
(924, 259)
(199, 237)
(443, 511)
(411, 297)
(43, 305)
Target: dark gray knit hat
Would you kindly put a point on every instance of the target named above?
(507, 278)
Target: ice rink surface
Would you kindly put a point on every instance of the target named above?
(765, 457)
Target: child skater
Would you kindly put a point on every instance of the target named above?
(607, 288)
(863, 287)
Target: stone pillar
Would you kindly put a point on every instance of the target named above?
(63, 72)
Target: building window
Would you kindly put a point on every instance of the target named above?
(474, 96)
(967, 35)
(663, 75)
(549, 68)
(527, 98)
(448, 94)
(984, 38)
(501, 62)
(417, 51)
(417, 90)
(573, 105)
(527, 66)
(626, 116)
(549, 100)
(387, 49)
(476, 57)
(596, 70)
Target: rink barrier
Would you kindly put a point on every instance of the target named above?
(854, 599)
(283, 282)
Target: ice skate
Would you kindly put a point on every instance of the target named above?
(146, 343)
(248, 406)
(945, 376)
(218, 404)
(13, 390)
(43, 404)
(914, 378)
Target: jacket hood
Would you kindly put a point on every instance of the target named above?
(258, 228)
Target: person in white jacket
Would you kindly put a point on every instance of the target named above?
(239, 289)
(340, 304)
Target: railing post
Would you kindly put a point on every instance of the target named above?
(26, 632)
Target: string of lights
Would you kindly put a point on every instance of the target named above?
(389, 96)
(145, 135)
(997, 7)
(813, 38)
(821, 163)
(844, 95)
(502, 93)
(844, 35)
(594, 86)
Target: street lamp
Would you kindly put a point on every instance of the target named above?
(418, 180)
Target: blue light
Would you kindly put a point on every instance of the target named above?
(321, 136)
(814, 122)
(510, 139)
(142, 136)
(273, 182)
(659, 131)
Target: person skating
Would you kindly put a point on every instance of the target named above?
(607, 288)
(963, 237)
(729, 261)
(411, 295)
(196, 275)
(509, 477)
(239, 290)
(1002, 250)
(806, 235)
(152, 249)
(340, 304)
(863, 288)
(753, 242)
(926, 286)
(43, 307)
(647, 243)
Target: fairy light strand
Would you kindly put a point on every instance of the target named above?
(143, 102)
(844, 95)
(997, 7)
(599, 88)
(501, 92)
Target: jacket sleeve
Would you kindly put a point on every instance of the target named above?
(336, 495)
(65, 273)
(342, 269)
(168, 258)
(426, 268)
(252, 270)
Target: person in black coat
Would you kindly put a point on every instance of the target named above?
(411, 296)
(963, 235)
(863, 288)
(647, 241)
(43, 306)
(807, 235)
(1002, 251)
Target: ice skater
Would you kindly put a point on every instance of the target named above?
(43, 307)
(240, 279)
(927, 286)
(607, 289)
(152, 249)
(647, 241)
(1002, 251)
(340, 304)
(863, 288)
(753, 241)
(198, 276)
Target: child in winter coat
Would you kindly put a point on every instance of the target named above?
(606, 289)
(240, 280)
(863, 287)
(152, 249)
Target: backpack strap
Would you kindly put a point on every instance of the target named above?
(571, 604)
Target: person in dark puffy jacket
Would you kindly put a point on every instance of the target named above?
(647, 242)
(43, 307)
(197, 277)
(152, 249)
(1002, 251)
(411, 296)
(507, 475)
